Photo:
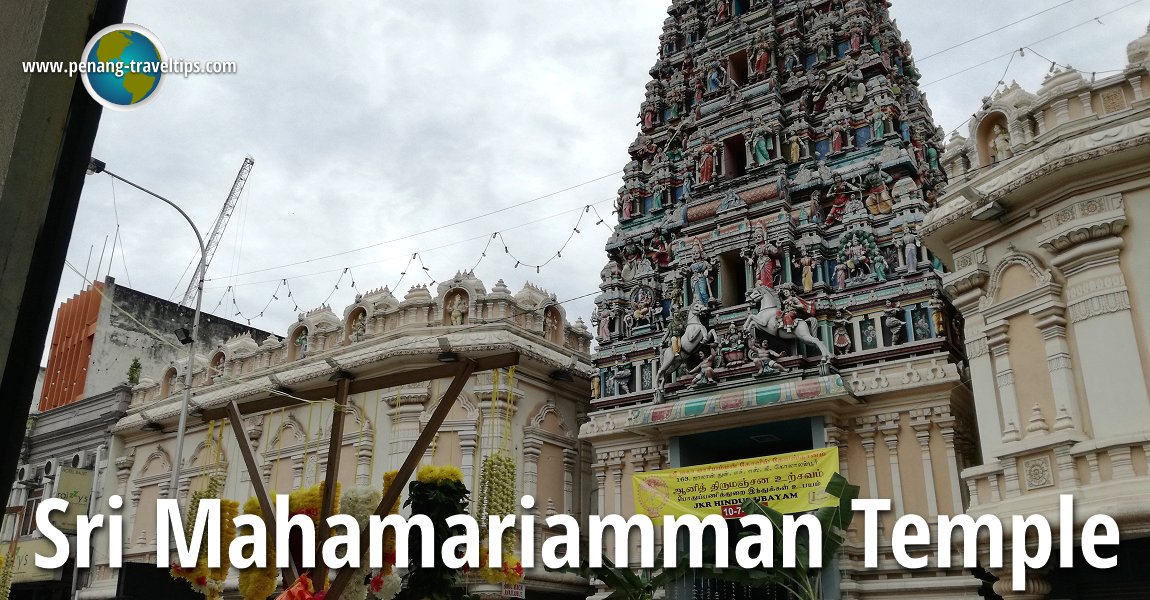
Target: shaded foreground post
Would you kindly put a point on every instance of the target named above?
(291, 573)
(335, 447)
(391, 494)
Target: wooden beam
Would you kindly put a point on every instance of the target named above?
(273, 401)
(291, 573)
(464, 369)
(334, 449)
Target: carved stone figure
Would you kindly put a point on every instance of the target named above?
(841, 338)
(938, 314)
(693, 337)
(840, 277)
(880, 267)
(796, 147)
(762, 142)
(769, 319)
(892, 321)
(621, 376)
(876, 182)
(910, 245)
(301, 342)
(840, 193)
(707, 161)
(699, 274)
(764, 359)
(764, 260)
(733, 350)
(704, 372)
(458, 310)
(1000, 144)
(807, 264)
(359, 327)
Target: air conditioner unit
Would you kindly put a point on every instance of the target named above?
(49, 468)
(78, 460)
(23, 473)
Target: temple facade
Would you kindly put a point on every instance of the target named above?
(530, 413)
(1044, 222)
(767, 289)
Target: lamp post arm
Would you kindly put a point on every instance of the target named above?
(178, 458)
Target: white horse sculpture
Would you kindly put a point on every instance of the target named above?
(694, 336)
(767, 321)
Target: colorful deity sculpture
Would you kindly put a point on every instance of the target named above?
(807, 263)
(840, 194)
(876, 182)
(763, 257)
(762, 142)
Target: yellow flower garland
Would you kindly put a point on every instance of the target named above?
(257, 583)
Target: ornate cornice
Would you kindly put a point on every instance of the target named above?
(1083, 221)
(1099, 305)
(1083, 147)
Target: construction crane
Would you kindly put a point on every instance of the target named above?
(221, 224)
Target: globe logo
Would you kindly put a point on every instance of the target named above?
(122, 66)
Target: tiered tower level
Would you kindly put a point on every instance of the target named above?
(767, 221)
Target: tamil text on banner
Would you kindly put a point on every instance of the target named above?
(788, 483)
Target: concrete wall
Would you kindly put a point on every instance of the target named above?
(138, 325)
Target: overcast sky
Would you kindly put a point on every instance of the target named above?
(370, 122)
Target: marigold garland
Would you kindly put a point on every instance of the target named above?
(385, 584)
(5, 578)
(207, 581)
(258, 583)
(497, 497)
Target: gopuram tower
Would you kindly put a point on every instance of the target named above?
(766, 290)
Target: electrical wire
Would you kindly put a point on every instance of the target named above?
(920, 60)
(431, 230)
(1047, 38)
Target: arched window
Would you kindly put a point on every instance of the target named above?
(553, 325)
(994, 144)
(455, 308)
(168, 383)
(298, 343)
(356, 328)
(215, 367)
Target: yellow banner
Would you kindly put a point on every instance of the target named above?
(75, 486)
(788, 483)
(24, 569)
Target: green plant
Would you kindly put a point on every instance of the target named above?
(134, 371)
(803, 581)
(438, 493)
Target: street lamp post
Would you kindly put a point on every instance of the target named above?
(97, 166)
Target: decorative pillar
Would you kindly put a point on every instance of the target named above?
(1136, 83)
(866, 431)
(921, 425)
(1085, 99)
(1086, 241)
(363, 474)
(946, 422)
(600, 469)
(998, 343)
(1051, 321)
(532, 450)
(836, 437)
(569, 464)
(297, 472)
(890, 428)
(133, 505)
(617, 479)
(1061, 111)
(467, 443)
